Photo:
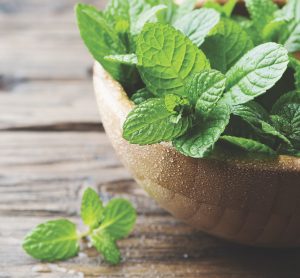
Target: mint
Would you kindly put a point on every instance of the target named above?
(167, 58)
(249, 77)
(226, 45)
(59, 239)
(197, 24)
(199, 141)
(141, 95)
(261, 12)
(290, 114)
(249, 145)
(193, 75)
(290, 97)
(53, 240)
(290, 35)
(100, 38)
(106, 245)
(149, 15)
(206, 88)
(119, 218)
(151, 122)
(91, 208)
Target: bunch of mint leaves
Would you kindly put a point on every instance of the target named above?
(204, 78)
(59, 239)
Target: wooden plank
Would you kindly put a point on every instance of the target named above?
(29, 104)
(40, 39)
(42, 177)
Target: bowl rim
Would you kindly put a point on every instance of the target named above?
(122, 105)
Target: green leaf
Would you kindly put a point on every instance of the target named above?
(106, 246)
(261, 12)
(126, 59)
(183, 9)
(147, 16)
(269, 129)
(227, 44)
(290, 35)
(167, 59)
(53, 240)
(295, 63)
(290, 97)
(248, 145)
(151, 122)
(271, 30)
(250, 77)
(101, 39)
(206, 88)
(91, 208)
(252, 112)
(141, 95)
(199, 141)
(119, 218)
(197, 24)
(290, 113)
(174, 102)
(125, 10)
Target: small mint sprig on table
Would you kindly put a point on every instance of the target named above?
(59, 239)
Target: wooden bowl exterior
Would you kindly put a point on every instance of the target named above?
(250, 202)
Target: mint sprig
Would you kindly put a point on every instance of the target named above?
(59, 239)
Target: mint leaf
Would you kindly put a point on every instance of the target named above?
(290, 35)
(248, 145)
(249, 77)
(261, 12)
(53, 240)
(290, 114)
(151, 122)
(252, 112)
(106, 245)
(125, 10)
(141, 95)
(126, 59)
(91, 208)
(147, 16)
(226, 45)
(167, 58)
(206, 88)
(100, 38)
(290, 97)
(119, 218)
(269, 129)
(175, 102)
(183, 9)
(199, 141)
(197, 24)
(295, 63)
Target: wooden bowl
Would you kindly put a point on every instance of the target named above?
(246, 201)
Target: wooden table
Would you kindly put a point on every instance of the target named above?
(52, 146)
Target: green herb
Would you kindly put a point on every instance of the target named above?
(227, 43)
(59, 239)
(166, 59)
(202, 76)
(151, 122)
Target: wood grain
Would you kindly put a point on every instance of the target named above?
(52, 146)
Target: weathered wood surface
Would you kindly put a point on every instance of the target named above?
(52, 146)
